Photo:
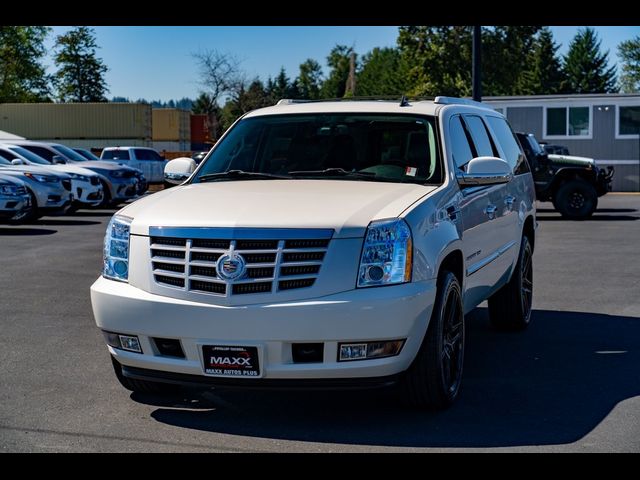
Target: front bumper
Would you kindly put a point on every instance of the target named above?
(87, 194)
(384, 313)
(604, 179)
(124, 189)
(14, 206)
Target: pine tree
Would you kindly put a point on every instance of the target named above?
(629, 53)
(80, 75)
(586, 67)
(309, 79)
(546, 69)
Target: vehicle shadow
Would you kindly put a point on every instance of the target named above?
(92, 213)
(26, 231)
(64, 222)
(549, 385)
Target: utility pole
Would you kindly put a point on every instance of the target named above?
(350, 89)
(476, 63)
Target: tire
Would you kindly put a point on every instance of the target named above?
(32, 215)
(106, 197)
(510, 307)
(141, 386)
(434, 378)
(576, 199)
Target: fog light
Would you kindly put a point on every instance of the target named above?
(362, 351)
(130, 343)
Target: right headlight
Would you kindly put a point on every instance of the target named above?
(387, 254)
(116, 249)
(9, 189)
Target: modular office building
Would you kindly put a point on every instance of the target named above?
(605, 127)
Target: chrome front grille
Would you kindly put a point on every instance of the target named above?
(270, 264)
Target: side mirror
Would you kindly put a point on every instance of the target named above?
(17, 161)
(485, 171)
(58, 160)
(178, 170)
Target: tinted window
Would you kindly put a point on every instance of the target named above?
(480, 136)
(68, 153)
(460, 149)
(556, 121)
(142, 154)
(41, 151)
(512, 152)
(115, 155)
(30, 156)
(399, 148)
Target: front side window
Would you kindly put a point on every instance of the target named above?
(328, 145)
(460, 148)
(628, 120)
(480, 136)
(41, 152)
(567, 121)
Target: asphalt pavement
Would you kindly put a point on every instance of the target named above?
(571, 382)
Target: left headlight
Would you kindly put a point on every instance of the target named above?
(116, 249)
(9, 189)
(42, 178)
(387, 254)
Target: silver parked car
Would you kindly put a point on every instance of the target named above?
(85, 184)
(142, 158)
(15, 203)
(50, 192)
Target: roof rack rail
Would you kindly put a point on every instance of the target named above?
(458, 101)
(393, 98)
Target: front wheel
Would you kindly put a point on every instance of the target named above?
(433, 380)
(510, 307)
(576, 199)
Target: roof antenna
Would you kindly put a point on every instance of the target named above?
(404, 102)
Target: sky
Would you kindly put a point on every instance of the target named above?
(155, 63)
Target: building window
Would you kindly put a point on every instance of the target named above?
(628, 121)
(568, 122)
(500, 110)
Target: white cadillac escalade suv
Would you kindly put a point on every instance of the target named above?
(324, 244)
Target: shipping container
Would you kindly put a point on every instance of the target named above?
(171, 146)
(200, 132)
(171, 125)
(61, 121)
(99, 143)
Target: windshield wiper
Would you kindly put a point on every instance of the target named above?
(239, 174)
(332, 172)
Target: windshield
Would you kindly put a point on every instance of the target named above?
(30, 156)
(86, 154)
(363, 147)
(535, 146)
(70, 154)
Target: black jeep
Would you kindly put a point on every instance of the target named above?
(573, 184)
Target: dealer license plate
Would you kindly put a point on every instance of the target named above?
(231, 361)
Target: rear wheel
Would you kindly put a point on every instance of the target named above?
(510, 307)
(576, 199)
(141, 386)
(433, 380)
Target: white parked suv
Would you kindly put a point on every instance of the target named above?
(145, 159)
(324, 244)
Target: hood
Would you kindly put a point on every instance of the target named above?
(570, 160)
(97, 164)
(343, 205)
(70, 168)
(32, 169)
(10, 179)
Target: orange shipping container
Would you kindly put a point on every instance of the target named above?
(200, 129)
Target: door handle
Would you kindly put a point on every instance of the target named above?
(508, 202)
(491, 211)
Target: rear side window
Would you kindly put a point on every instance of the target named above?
(115, 155)
(480, 136)
(507, 140)
(460, 149)
(142, 154)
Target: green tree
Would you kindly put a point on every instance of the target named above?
(586, 67)
(384, 72)
(80, 75)
(629, 53)
(309, 80)
(281, 87)
(335, 84)
(244, 100)
(439, 59)
(546, 69)
(23, 78)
